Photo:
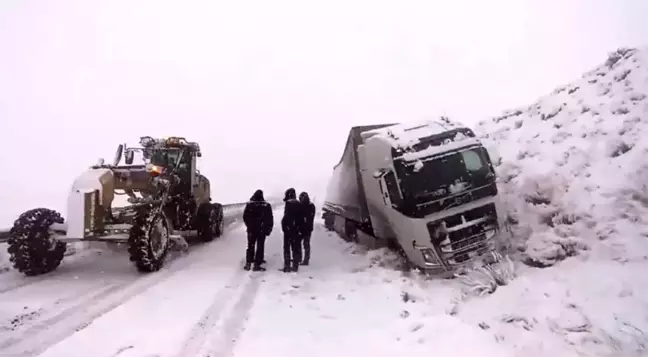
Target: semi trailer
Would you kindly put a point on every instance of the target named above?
(427, 190)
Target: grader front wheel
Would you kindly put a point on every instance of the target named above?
(32, 249)
(148, 241)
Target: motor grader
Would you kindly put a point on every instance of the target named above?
(168, 199)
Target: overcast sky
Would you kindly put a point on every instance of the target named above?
(270, 88)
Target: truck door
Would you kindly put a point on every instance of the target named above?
(389, 188)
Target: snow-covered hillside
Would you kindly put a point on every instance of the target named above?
(574, 178)
(577, 159)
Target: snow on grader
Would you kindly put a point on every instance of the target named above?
(168, 199)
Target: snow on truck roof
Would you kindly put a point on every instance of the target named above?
(407, 136)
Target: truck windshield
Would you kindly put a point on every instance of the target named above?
(443, 176)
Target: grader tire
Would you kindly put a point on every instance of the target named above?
(210, 222)
(31, 247)
(148, 241)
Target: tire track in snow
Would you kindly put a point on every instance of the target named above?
(27, 281)
(32, 281)
(42, 325)
(79, 316)
(234, 326)
(207, 322)
(23, 320)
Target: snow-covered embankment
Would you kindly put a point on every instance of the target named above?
(574, 177)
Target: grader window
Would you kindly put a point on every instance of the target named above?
(166, 158)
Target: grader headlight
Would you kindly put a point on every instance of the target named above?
(154, 170)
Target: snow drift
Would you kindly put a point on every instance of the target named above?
(573, 176)
(573, 168)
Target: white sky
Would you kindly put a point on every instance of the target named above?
(270, 88)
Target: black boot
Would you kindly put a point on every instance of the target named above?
(287, 269)
(258, 268)
(247, 266)
(295, 267)
(305, 262)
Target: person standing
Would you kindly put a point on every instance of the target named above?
(306, 229)
(259, 222)
(290, 224)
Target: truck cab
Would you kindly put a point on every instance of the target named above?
(428, 189)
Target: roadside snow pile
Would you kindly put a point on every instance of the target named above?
(577, 158)
(574, 178)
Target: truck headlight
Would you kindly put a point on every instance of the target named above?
(428, 255)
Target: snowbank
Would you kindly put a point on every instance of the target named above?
(573, 176)
(572, 165)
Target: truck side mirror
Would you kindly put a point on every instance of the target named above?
(379, 173)
(129, 156)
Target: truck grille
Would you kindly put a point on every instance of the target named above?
(467, 233)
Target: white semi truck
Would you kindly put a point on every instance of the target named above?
(427, 190)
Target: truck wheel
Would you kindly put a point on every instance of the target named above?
(210, 222)
(405, 263)
(32, 249)
(148, 241)
(350, 231)
(328, 222)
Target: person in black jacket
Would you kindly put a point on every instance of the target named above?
(290, 224)
(306, 229)
(259, 222)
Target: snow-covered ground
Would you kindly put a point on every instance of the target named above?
(204, 304)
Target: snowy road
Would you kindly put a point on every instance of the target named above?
(345, 303)
(204, 304)
(97, 294)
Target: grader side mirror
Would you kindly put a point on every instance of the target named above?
(118, 154)
(129, 156)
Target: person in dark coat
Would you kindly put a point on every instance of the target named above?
(259, 222)
(290, 224)
(306, 229)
